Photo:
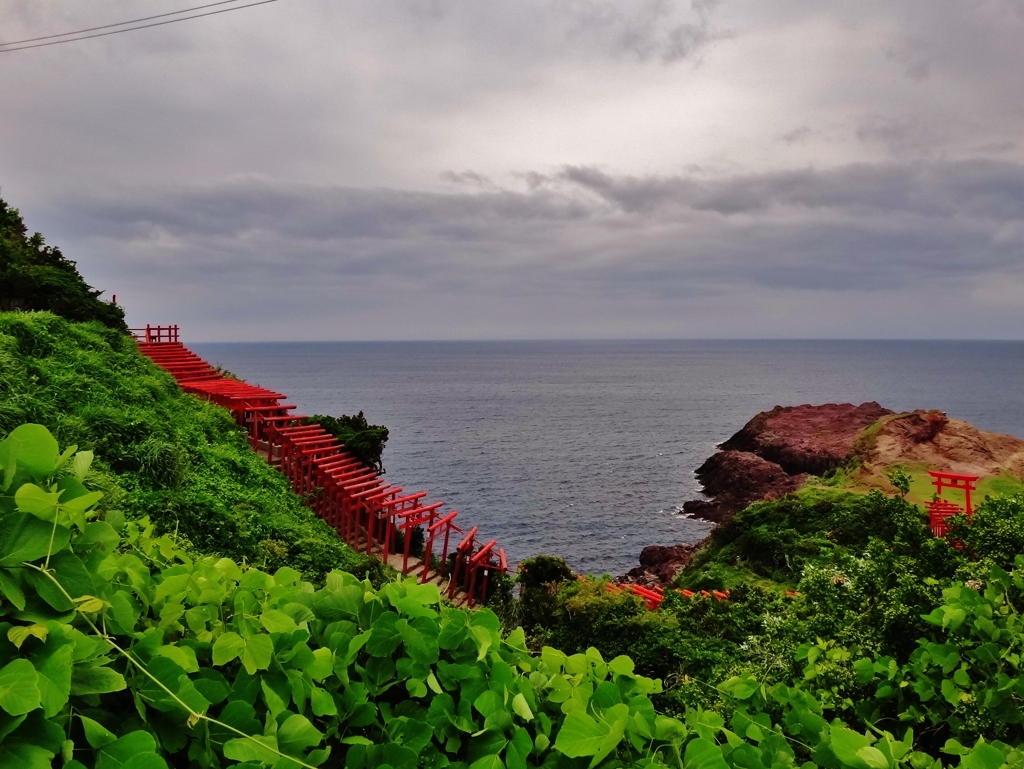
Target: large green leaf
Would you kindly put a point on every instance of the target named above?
(73, 577)
(19, 690)
(25, 756)
(53, 666)
(23, 537)
(702, 753)
(297, 735)
(81, 463)
(11, 589)
(521, 707)
(95, 679)
(97, 735)
(41, 503)
(580, 735)
(615, 717)
(257, 653)
(983, 756)
(37, 450)
(518, 749)
(227, 647)
(135, 750)
(259, 748)
(846, 744)
(175, 686)
(384, 636)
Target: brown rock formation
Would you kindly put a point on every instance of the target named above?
(933, 439)
(806, 439)
(776, 450)
(659, 564)
(736, 479)
(774, 453)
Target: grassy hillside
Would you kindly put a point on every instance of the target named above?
(159, 452)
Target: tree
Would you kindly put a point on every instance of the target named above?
(35, 276)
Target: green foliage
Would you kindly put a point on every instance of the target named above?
(865, 569)
(776, 539)
(363, 440)
(119, 649)
(161, 454)
(540, 578)
(34, 276)
(996, 530)
(900, 480)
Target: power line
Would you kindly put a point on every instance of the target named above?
(132, 29)
(118, 24)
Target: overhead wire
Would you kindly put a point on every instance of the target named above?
(132, 29)
(118, 24)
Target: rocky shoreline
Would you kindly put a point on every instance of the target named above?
(778, 450)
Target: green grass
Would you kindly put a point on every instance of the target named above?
(160, 453)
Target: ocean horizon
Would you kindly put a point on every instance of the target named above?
(587, 448)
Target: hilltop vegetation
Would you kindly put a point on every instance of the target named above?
(35, 276)
(860, 629)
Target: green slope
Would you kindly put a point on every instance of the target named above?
(162, 453)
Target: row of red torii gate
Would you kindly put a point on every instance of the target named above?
(370, 514)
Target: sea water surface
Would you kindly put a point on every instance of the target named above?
(587, 449)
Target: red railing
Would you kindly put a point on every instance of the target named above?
(155, 334)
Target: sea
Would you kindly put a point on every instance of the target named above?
(587, 449)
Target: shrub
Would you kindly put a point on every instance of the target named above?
(363, 440)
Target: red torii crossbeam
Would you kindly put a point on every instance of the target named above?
(945, 480)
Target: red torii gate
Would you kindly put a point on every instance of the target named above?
(447, 524)
(415, 518)
(469, 564)
(941, 510)
(944, 480)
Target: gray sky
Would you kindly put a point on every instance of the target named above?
(406, 169)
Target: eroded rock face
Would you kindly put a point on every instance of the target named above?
(659, 564)
(736, 479)
(931, 438)
(775, 452)
(806, 439)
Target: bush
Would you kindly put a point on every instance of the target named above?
(124, 651)
(363, 440)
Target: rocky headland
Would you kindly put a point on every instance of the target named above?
(778, 450)
(775, 452)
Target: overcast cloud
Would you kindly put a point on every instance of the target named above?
(312, 169)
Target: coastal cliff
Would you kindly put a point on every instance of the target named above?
(775, 452)
(778, 451)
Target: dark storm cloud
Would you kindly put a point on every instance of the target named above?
(854, 228)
